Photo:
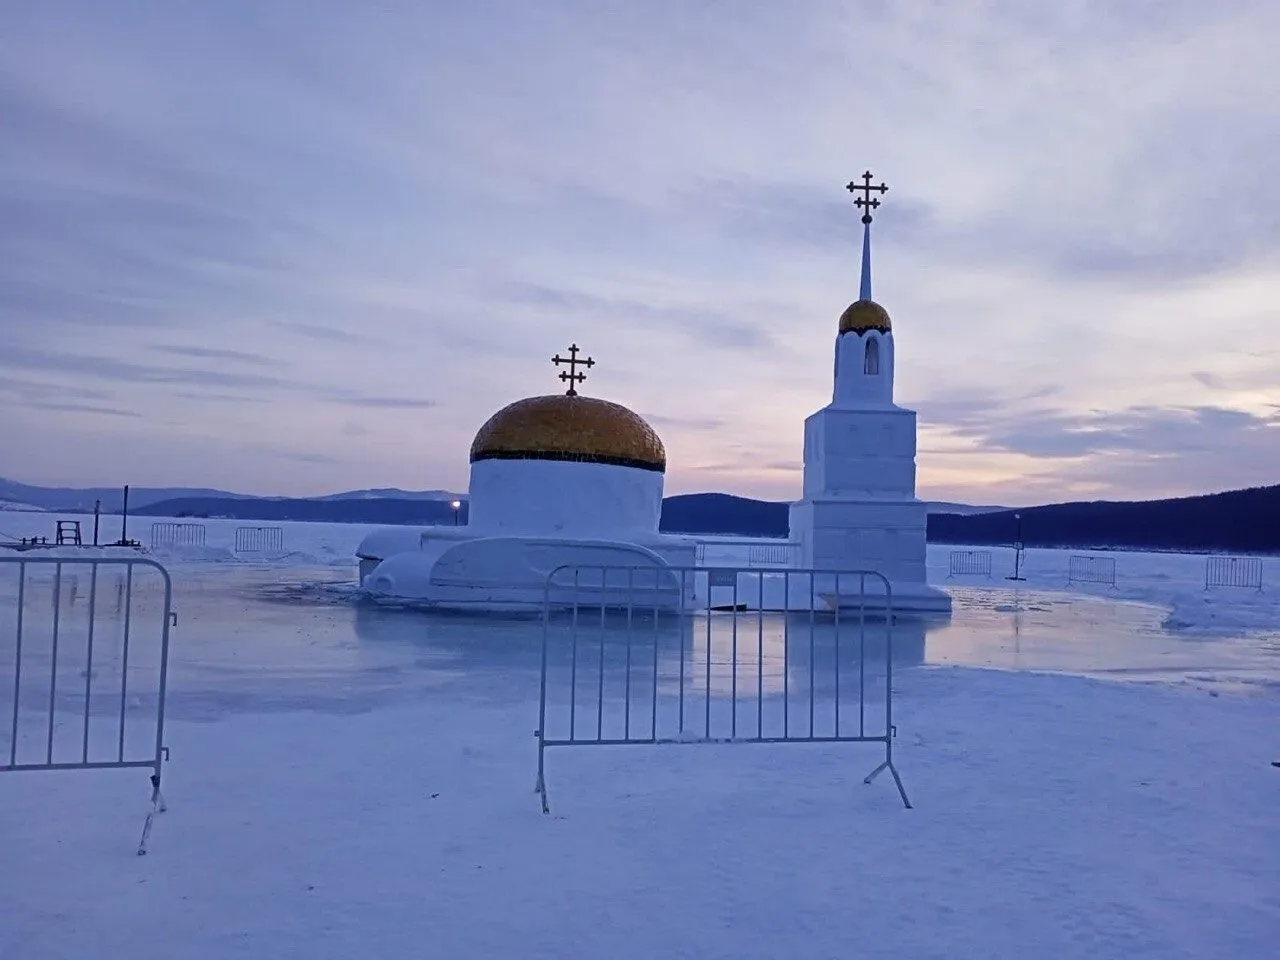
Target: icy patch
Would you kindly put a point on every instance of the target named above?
(174, 553)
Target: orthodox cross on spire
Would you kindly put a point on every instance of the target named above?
(866, 203)
(572, 377)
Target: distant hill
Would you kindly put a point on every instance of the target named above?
(692, 513)
(1244, 520)
(82, 499)
(943, 506)
(15, 505)
(392, 493)
(387, 510)
(724, 514)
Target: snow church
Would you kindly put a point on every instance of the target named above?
(572, 480)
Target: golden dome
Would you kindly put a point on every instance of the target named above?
(574, 428)
(863, 315)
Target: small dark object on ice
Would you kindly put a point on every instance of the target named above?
(1275, 763)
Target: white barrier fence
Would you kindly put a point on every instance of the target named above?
(1091, 570)
(167, 534)
(264, 541)
(84, 660)
(747, 553)
(1233, 572)
(626, 660)
(969, 563)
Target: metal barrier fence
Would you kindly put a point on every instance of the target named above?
(268, 540)
(1233, 572)
(751, 553)
(658, 655)
(771, 554)
(966, 563)
(177, 535)
(1091, 570)
(88, 680)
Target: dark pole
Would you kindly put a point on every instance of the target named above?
(97, 510)
(124, 518)
(1017, 562)
(1017, 550)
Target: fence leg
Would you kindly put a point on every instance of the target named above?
(157, 806)
(888, 765)
(542, 792)
(540, 788)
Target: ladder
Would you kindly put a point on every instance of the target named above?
(69, 533)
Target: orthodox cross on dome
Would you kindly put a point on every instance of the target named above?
(572, 377)
(866, 203)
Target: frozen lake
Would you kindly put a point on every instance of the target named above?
(293, 633)
(278, 638)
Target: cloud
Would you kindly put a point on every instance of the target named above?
(402, 403)
(133, 373)
(318, 458)
(315, 331)
(130, 371)
(28, 390)
(1157, 431)
(85, 408)
(218, 353)
(685, 423)
(205, 209)
(707, 324)
(1058, 454)
(217, 397)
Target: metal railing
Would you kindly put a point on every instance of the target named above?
(970, 563)
(1233, 572)
(167, 534)
(87, 670)
(1091, 570)
(264, 540)
(665, 655)
(750, 553)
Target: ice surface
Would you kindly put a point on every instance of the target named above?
(301, 637)
(355, 779)
(1171, 581)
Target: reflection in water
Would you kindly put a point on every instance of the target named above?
(248, 640)
(771, 650)
(621, 674)
(768, 649)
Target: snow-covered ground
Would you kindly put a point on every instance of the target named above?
(1054, 816)
(17, 506)
(353, 780)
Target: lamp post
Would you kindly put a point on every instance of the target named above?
(457, 505)
(1017, 550)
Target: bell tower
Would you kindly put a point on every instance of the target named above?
(859, 510)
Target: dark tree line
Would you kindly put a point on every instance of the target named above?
(1244, 520)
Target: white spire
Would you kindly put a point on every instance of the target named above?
(864, 291)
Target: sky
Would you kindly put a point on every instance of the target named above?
(292, 248)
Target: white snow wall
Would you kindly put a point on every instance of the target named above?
(592, 500)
